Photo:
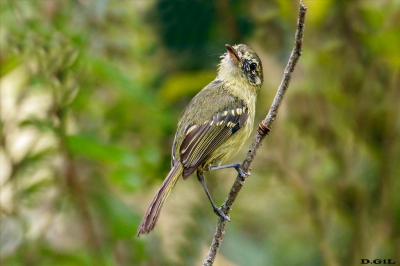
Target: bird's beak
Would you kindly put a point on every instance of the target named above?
(234, 55)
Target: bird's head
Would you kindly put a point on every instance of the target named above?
(240, 63)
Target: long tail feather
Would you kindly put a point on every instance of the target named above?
(153, 211)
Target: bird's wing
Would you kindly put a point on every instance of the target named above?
(203, 139)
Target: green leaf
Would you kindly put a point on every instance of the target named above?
(185, 84)
(8, 65)
(121, 220)
(94, 149)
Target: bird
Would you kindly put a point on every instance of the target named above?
(213, 127)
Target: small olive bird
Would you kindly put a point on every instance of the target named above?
(213, 127)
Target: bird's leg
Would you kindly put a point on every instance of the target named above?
(237, 166)
(217, 210)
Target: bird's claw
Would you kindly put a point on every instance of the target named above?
(241, 173)
(219, 212)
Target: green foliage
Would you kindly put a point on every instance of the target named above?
(91, 92)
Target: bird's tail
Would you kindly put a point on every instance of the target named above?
(153, 211)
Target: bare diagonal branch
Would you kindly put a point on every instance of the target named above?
(263, 129)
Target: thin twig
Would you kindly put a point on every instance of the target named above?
(263, 129)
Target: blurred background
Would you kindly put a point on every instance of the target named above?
(91, 92)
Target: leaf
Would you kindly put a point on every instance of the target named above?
(94, 149)
(121, 220)
(186, 84)
(129, 86)
(8, 65)
(41, 124)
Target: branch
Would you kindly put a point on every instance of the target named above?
(262, 131)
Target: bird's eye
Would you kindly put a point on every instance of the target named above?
(253, 66)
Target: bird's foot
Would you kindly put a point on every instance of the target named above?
(242, 174)
(219, 212)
